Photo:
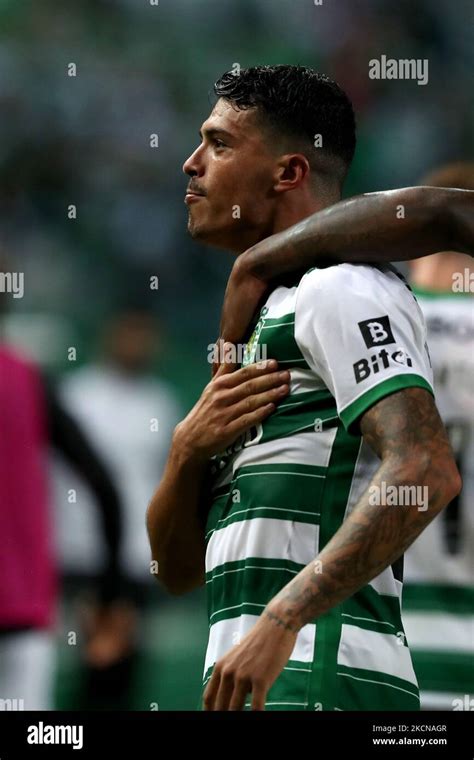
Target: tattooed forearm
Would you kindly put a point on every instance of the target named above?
(406, 432)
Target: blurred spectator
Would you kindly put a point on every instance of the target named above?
(31, 418)
(129, 415)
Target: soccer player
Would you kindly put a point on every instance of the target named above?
(438, 599)
(300, 554)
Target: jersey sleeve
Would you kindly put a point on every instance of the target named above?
(362, 332)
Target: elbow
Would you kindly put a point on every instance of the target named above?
(453, 482)
(439, 478)
(180, 586)
(445, 482)
(177, 581)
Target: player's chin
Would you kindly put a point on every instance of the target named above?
(204, 233)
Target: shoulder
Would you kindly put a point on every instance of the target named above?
(345, 285)
(352, 277)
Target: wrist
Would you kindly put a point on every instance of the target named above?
(184, 451)
(281, 614)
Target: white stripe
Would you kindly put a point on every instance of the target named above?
(237, 607)
(250, 567)
(381, 652)
(369, 620)
(300, 704)
(263, 538)
(280, 324)
(281, 302)
(306, 448)
(270, 704)
(439, 631)
(386, 584)
(304, 380)
(381, 683)
(280, 472)
(298, 670)
(444, 700)
(224, 634)
(223, 520)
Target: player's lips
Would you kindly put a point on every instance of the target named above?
(192, 196)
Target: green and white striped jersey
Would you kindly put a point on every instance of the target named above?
(350, 335)
(438, 597)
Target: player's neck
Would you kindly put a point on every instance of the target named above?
(296, 208)
(436, 272)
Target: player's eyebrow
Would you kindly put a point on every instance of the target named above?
(211, 132)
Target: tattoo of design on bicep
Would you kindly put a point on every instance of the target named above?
(406, 421)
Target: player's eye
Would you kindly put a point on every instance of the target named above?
(218, 143)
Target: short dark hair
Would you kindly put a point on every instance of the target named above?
(297, 102)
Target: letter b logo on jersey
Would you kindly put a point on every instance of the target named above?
(376, 332)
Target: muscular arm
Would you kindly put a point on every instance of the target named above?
(406, 432)
(230, 405)
(395, 225)
(372, 227)
(175, 528)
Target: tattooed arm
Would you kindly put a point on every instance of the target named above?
(405, 431)
(395, 225)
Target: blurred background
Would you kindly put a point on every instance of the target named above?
(117, 349)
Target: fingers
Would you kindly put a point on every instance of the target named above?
(258, 386)
(211, 691)
(257, 401)
(226, 692)
(233, 378)
(237, 701)
(259, 695)
(239, 426)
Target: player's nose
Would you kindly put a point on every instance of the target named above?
(193, 165)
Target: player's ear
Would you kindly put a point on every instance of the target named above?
(290, 172)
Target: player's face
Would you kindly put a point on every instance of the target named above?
(229, 197)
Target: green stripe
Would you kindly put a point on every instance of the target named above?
(285, 320)
(278, 335)
(444, 671)
(299, 413)
(380, 607)
(438, 597)
(280, 491)
(351, 413)
(369, 624)
(361, 689)
(252, 580)
(323, 686)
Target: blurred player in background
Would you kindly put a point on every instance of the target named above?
(438, 598)
(129, 414)
(32, 419)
